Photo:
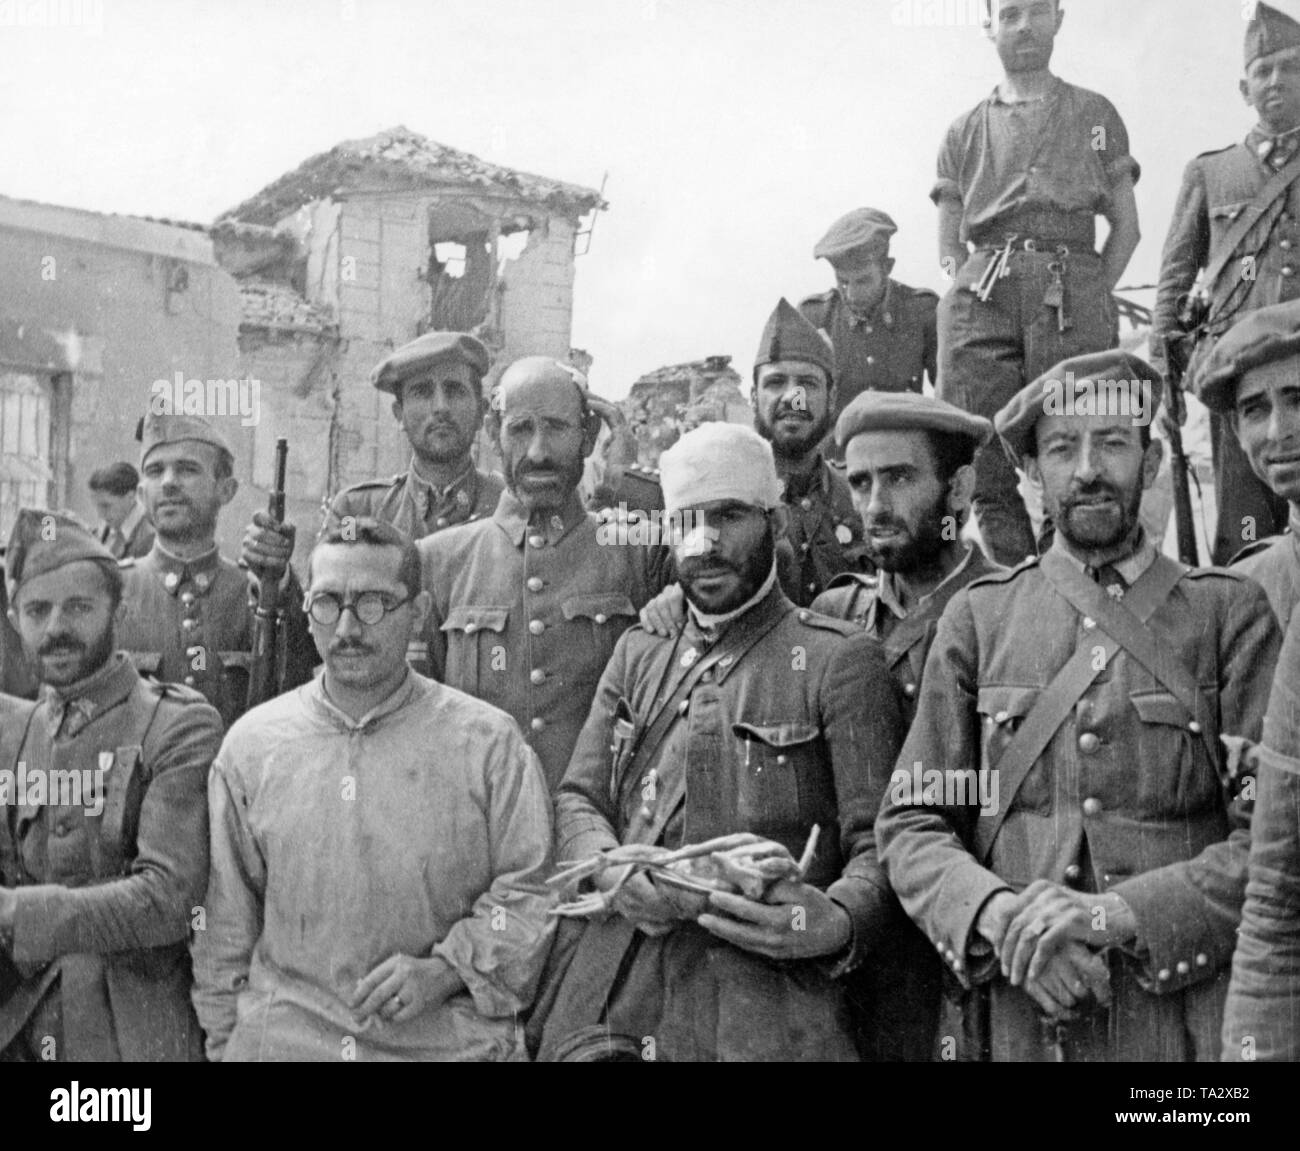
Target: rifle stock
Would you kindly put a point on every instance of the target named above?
(264, 670)
(1176, 357)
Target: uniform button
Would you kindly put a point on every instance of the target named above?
(1089, 623)
(442, 521)
(812, 587)
(684, 707)
(871, 360)
(187, 624)
(803, 547)
(171, 580)
(909, 689)
(469, 627)
(1287, 270)
(1088, 742)
(601, 617)
(536, 626)
(534, 583)
(187, 598)
(189, 681)
(1091, 806)
(538, 724)
(1183, 967)
(536, 541)
(1285, 245)
(726, 661)
(803, 615)
(1002, 717)
(537, 675)
(1072, 873)
(806, 504)
(869, 329)
(780, 759)
(1163, 976)
(1202, 960)
(1194, 727)
(60, 829)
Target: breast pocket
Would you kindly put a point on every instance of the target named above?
(1222, 219)
(475, 645)
(1002, 710)
(597, 621)
(1165, 738)
(783, 782)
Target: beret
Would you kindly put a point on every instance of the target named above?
(719, 461)
(159, 428)
(1112, 381)
(42, 541)
(862, 228)
(789, 336)
(1269, 31)
(1260, 337)
(905, 412)
(425, 351)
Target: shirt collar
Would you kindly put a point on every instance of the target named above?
(512, 517)
(887, 590)
(796, 487)
(202, 569)
(1054, 89)
(398, 699)
(431, 492)
(93, 695)
(1130, 567)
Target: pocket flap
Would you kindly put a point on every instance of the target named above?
(472, 619)
(146, 662)
(776, 734)
(1001, 703)
(597, 607)
(1160, 707)
(1228, 211)
(239, 659)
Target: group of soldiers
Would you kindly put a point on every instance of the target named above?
(1045, 804)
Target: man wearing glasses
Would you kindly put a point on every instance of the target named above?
(413, 822)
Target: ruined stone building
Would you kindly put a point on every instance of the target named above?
(304, 287)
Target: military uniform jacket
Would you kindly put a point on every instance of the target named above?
(906, 639)
(1274, 564)
(824, 530)
(1217, 187)
(794, 725)
(893, 350)
(107, 884)
(189, 622)
(413, 505)
(1124, 798)
(526, 616)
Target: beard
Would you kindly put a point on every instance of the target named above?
(199, 522)
(1090, 526)
(913, 548)
(790, 439)
(441, 441)
(89, 657)
(1028, 55)
(565, 477)
(749, 575)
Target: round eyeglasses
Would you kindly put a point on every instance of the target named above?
(369, 607)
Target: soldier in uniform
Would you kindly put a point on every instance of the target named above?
(1021, 180)
(715, 731)
(794, 397)
(528, 604)
(910, 465)
(883, 332)
(1259, 269)
(1251, 380)
(124, 528)
(103, 821)
(1088, 897)
(436, 382)
(188, 619)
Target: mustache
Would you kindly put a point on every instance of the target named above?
(61, 646)
(343, 647)
(694, 567)
(545, 466)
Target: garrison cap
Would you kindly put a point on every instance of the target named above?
(788, 336)
(42, 541)
(158, 428)
(860, 233)
(907, 412)
(1270, 31)
(1262, 336)
(425, 351)
(1123, 381)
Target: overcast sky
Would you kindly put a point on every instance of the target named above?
(733, 131)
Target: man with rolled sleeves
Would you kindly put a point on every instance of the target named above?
(528, 604)
(1256, 270)
(1062, 825)
(756, 717)
(1251, 381)
(794, 398)
(436, 382)
(103, 821)
(883, 332)
(911, 469)
(1022, 178)
(188, 619)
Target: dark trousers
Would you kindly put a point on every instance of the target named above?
(989, 350)
(1248, 509)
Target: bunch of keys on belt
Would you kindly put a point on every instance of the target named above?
(998, 267)
(1054, 297)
